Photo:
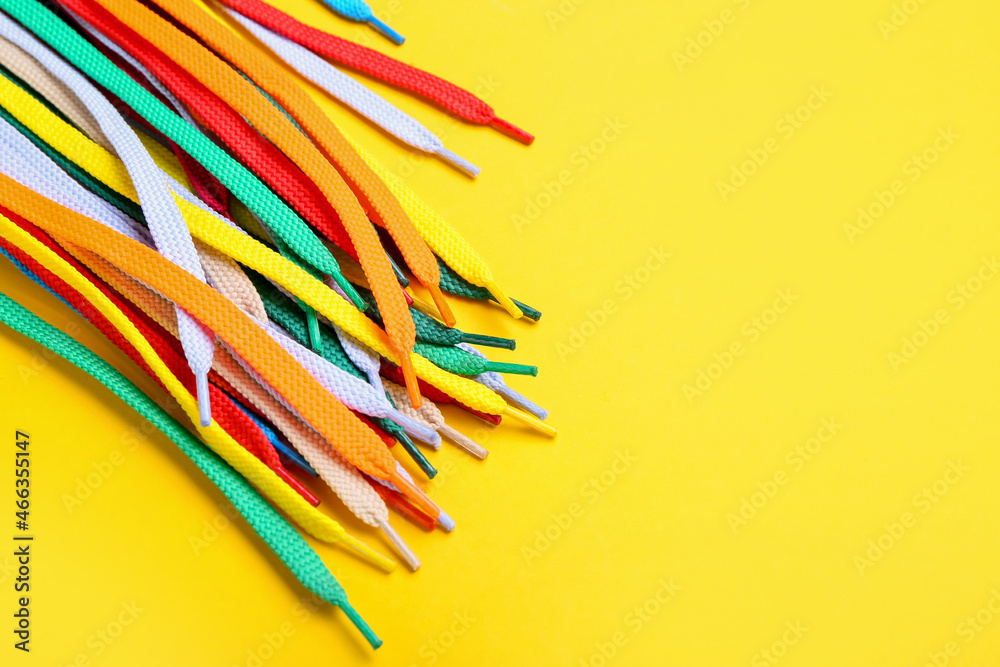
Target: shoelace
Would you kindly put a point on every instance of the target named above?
(226, 239)
(243, 97)
(496, 382)
(226, 414)
(231, 173)
(357, 10)
(431, 414)
(27, 164)
(430, 330)
(355, 441)
(279, 308)
(460, 102)
(316, 523)
(343, 478)
(266, 160)
(276, 532)
(443, 239)
(55, 91)
(167, 227)
(372, 106)
(453, 283)
(379, 202)
(458, 361)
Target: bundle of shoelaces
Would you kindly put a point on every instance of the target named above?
(163, 174)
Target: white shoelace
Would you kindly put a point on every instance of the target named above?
(367, 103)
(167, 227)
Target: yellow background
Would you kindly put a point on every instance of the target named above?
(595, 73)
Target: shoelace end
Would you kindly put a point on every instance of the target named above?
(386, 31)
(531, 420)
(489, 341)
(514, 369)
(523, 402)
(410, 379)
(512, 131)
(297, 486)
(415, 495)
(505, 301)
(204, 401)
(349, 290)
(446, 522)
(367, 553)
(459, 162)
(402, 548)
(360, 624)
(442, 305)
(463, 441)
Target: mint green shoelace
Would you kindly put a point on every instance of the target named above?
(242, 183)
(276, 532)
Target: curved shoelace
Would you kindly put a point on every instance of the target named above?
(27, 164)
(170, 233)
(276, 532)
(431, 415)
(496, 382)
(332, 348)
(316, 523)
(226, 412)
(240, 247)
(453, 283)
(55, 91)
(460, 102)
(357, 10)
(343, 478)
(248, 145)
(231, 173)
(378, 200)
(369, 104)
(243, 97)
(337, 424)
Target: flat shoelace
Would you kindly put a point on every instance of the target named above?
(316, 523)
(244, 98)
(231, 173)
(167, 227)
(240, 247)
(378, 200)
(460, 102)
(358, 97)
(226, 413)
(276, 532)
(343, 478)
(496, 382)
(431, 415)
(55, 91)
(352, 438)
